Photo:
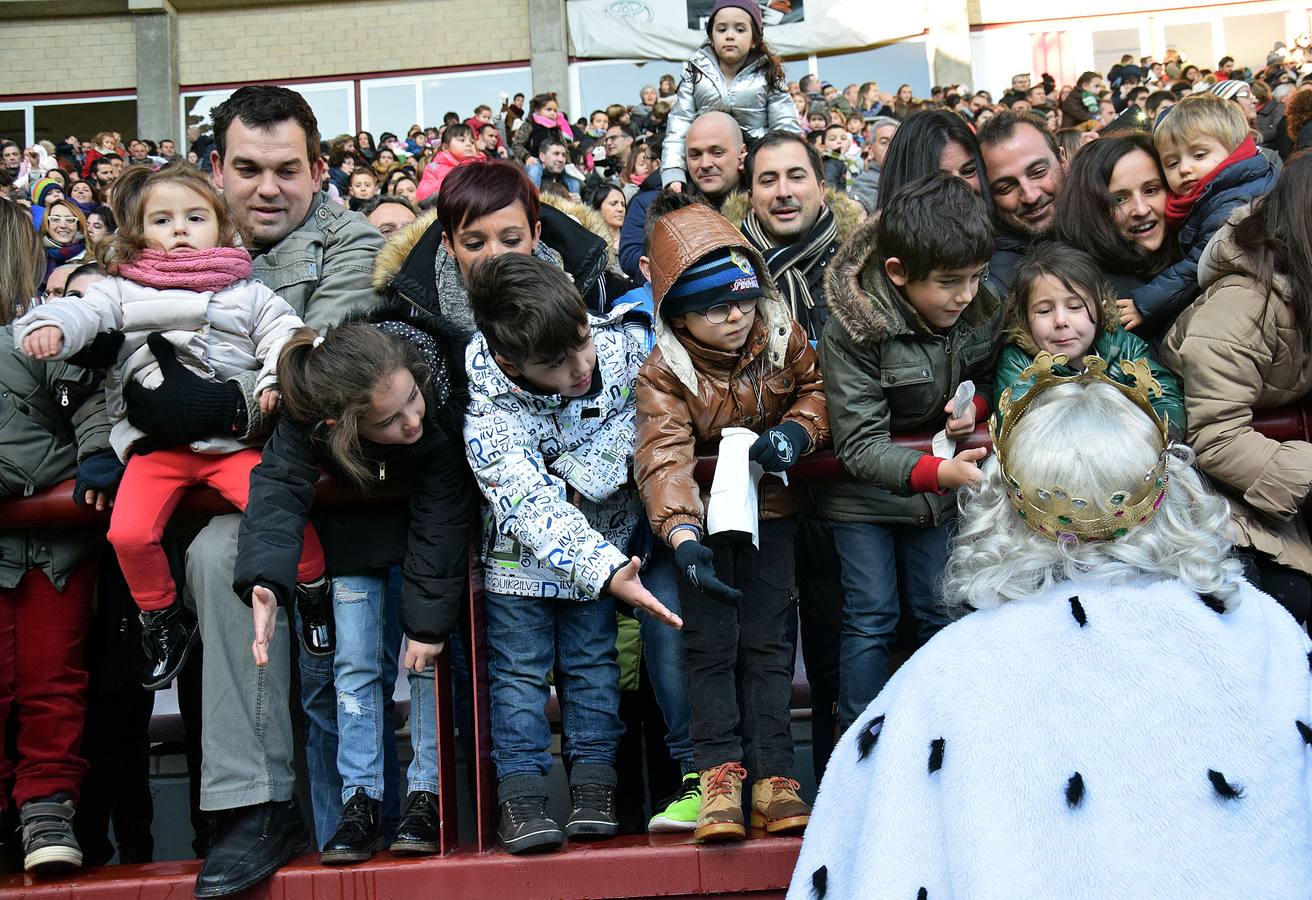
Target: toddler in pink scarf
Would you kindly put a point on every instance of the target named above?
(181, 294)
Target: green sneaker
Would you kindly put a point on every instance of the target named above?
(681, 814)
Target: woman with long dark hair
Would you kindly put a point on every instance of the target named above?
(933, 141)
(1246, 344)
(1113, 207)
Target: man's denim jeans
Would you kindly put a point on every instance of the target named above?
(872, 556)
(528, 638)
(662, 648)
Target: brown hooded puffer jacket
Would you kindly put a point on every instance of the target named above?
(688, 393)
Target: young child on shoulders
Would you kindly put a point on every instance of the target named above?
(729, 354)
(910, 322)
(1212, 167)
(181, 301)
(1060, 302)
(549, 435)
(735, 72)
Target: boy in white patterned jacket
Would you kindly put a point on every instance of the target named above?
(549, 435)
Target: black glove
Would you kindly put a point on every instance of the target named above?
(101, 353)
(185, 408)
(780, 447)
(100, 471)
(697, 563)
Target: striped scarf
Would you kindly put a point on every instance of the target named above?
(790, 263)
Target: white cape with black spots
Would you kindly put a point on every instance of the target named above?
(1160, 704)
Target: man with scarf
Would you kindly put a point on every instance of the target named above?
(798, 228)
(791, 222)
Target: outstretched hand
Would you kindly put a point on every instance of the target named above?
(264, 606)
(627, 586)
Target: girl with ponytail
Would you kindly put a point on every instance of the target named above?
(377, 399)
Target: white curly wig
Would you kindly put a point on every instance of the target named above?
(1093, 441)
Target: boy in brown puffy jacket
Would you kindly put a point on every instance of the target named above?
(728, 353)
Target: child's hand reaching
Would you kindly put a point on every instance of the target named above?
(43, 342)
(420, 656)
(264, 606)
(675, 188)
(1131, 318)
(627, 586)
(269, 400)
(960, 427)
(962, 469)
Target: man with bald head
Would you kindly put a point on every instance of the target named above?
(713, 155)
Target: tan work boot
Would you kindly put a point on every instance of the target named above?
(721, 814)
(776, 806)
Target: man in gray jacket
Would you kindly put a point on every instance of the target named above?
(319, 257)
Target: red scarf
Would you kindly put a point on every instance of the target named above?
(1178, 208)
(201, 270)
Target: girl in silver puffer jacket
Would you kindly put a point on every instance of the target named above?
(734, 72)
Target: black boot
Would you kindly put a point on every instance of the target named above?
(420, 829)
(254, 842)
(315, 604)
(359, 832)
(592, 812)
(168, 636)
(524, 824)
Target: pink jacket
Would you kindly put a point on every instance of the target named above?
(436, 171)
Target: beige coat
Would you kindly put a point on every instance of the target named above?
(1237, 353)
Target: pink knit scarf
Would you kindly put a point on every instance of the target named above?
(200, 270)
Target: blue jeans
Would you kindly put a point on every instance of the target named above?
(357, 601)
(872, 556)
(528, 638)
(662, 648)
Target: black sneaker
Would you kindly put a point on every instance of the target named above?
(48, 841)
(592, 812)
(420, 828)
(315, 604)
(359, 832)
(525, 826)
(168, 636)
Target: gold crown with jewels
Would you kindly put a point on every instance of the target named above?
(1052, 511)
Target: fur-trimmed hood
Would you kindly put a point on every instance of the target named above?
(847, 212)
(867, 305)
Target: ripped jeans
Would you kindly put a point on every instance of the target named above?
(363, 675)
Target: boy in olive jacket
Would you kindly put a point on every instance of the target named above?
(910, 321)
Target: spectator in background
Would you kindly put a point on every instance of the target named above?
(641, 163)
(63, 234)
(457, 150)
(389, 214)
(100, 224)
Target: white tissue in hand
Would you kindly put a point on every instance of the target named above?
(733, 506)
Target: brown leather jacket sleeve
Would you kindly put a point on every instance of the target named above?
(664, 458)
(809, 409)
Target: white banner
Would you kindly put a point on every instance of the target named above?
(673, 29)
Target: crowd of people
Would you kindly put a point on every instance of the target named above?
(536, 328)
